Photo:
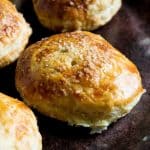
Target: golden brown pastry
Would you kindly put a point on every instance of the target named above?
(18, 126)
(69, 15)
(79, 78)
(14, 33)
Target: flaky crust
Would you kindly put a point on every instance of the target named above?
(78, 77)
(14, 33)
(69, 15)
(18, 126)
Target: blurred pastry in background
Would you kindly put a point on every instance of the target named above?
(69, 15)
(78, 77)
(18, 126)
(14, 33)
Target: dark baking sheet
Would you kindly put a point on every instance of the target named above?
(129, 31)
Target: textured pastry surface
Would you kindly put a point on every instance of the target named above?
(18, 126)
(80, 78)
(14, 33)
(69, 15)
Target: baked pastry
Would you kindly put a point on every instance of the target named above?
(79, 78)
(14, 33)
(18, 126)
(69, 15)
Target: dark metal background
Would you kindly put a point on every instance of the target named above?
(129, 31)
